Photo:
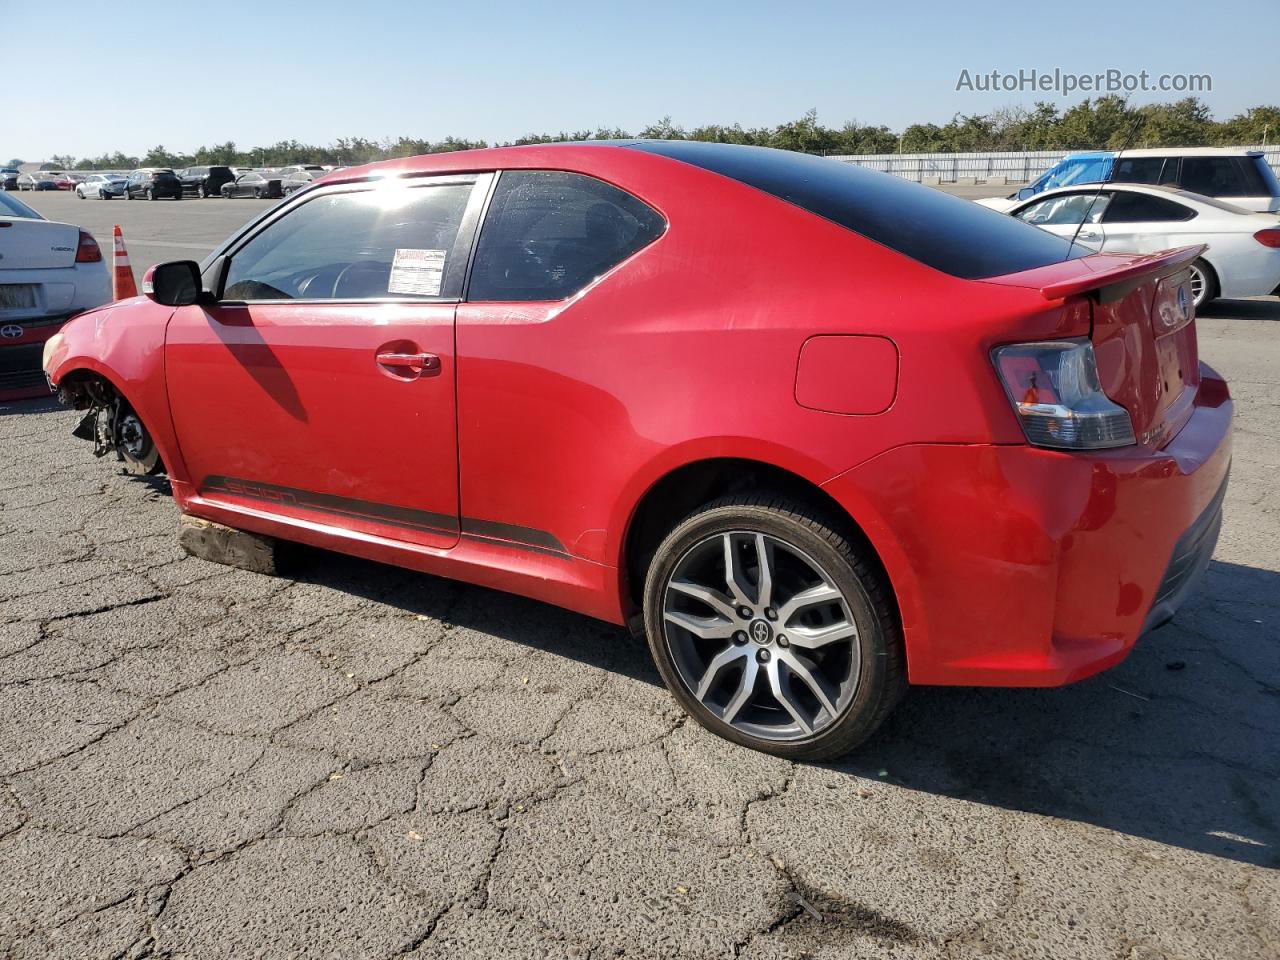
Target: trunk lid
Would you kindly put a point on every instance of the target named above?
(1148, 356)
(1142, 325)
(36, 244)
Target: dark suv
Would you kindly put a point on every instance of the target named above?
(153, 183)
(205, 181)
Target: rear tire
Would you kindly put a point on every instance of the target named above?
(813, 695)
(1204, 284)
(150, 194)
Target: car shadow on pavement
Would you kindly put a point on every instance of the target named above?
(1267, 308)
(1177, 744)
(509, 617)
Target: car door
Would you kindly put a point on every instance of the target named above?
(1144, 223)
(320, 386)
(534, 319)
(1075, 215)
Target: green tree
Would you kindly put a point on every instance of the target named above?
(921, 138)
(1257, 125)
(1187, 123)
(158, 156)
(1090, 125)
(664, 129)
(805, 135)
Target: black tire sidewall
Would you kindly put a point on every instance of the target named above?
(866, 711)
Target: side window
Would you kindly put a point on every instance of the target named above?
(1143, 208)
(548, 234)
(1138, 170)
(1065, 210)
(391, 242)
(1212, 176)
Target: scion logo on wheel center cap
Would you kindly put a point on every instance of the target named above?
(761, 632)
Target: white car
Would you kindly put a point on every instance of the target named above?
(1243, 259)
(104, 186)
(48, 272)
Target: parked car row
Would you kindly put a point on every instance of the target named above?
(42, 180)
(158, 183)
(1145, 201)
(1241, 177)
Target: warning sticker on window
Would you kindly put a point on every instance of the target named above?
(418, 272)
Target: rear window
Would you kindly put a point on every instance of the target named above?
(9, 207)
(944, 232)
(1223, 177)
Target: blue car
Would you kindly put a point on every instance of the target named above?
(1094, 167)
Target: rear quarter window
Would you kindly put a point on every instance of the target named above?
(1126, 207)
(955, 236)
(548, 234)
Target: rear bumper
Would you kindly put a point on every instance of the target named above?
(1015, 566)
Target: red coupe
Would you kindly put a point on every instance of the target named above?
(822, 431)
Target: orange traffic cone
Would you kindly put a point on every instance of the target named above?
(122, 283)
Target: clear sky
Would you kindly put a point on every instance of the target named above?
(85, 78)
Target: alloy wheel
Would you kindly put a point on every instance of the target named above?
(761, 635)
(1198, 285)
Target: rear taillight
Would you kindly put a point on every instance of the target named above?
(88, 250)
(1056, 393)
(1268, 236)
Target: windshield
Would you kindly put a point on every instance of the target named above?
(10, 207)
(1070, 172)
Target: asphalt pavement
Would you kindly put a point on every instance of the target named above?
(351, 760)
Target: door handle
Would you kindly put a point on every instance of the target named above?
(416, 364)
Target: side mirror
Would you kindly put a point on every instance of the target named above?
(1026, 193)
(174, 284)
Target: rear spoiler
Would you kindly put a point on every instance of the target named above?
(1111, 283)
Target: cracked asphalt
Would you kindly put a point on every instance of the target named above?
(357, 761)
